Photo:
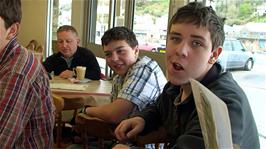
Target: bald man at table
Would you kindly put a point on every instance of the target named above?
(71, 55)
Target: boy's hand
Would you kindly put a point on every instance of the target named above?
(129, 128)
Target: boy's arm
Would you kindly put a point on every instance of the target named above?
(113, 112)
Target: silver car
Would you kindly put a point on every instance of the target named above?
(235, 56)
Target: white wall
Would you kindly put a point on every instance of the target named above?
(77, 18)
(33, 24)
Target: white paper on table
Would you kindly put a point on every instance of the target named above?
(68, 86)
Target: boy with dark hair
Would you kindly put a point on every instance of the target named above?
(138, 80)
(26, 109)
(194, 42)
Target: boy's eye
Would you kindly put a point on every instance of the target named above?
(174, 38)
(196, 44)
(107, 54)
(119, 51)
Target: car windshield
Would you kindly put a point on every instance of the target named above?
(227, 46)
(238, 46)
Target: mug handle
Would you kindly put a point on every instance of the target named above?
(74, 73)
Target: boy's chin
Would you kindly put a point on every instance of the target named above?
(177, 81)
(121, 73)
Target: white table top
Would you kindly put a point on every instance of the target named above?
(66, 88)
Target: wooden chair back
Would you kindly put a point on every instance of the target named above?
(63, 103)
(92, 126)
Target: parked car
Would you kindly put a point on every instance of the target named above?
(147, 47)
(236, 56)
(161, 48)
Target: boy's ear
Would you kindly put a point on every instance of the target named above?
(215, 55)
(12, 31)
(217, 52)
(136, 50)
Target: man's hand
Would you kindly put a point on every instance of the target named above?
(66, 74)
(129, 128)
(121, 146)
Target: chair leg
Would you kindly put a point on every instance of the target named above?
(59, 130)
(165, 145)
(100, 143)
(84, 138)
(157, 145)
(75, 112)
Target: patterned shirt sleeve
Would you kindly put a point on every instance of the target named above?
(142, 85)
(27, 112)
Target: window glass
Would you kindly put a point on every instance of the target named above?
(102, 19)
(61, 14)
(245, 24)
(120, 13)
(150, 23)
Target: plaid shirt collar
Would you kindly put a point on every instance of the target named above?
(7, 50)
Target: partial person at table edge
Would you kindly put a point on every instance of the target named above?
(70, 55)
(26, 107)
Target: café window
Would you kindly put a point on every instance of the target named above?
(150, 23)
(109, 14)
(61, 15)
(102, 19)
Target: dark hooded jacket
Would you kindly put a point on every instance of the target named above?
(181, 121)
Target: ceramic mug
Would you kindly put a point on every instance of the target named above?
(80, 72)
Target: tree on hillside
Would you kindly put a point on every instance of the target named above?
(155, 8)
(239, 11)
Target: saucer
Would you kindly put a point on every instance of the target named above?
(74, 80)
(84, 80)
